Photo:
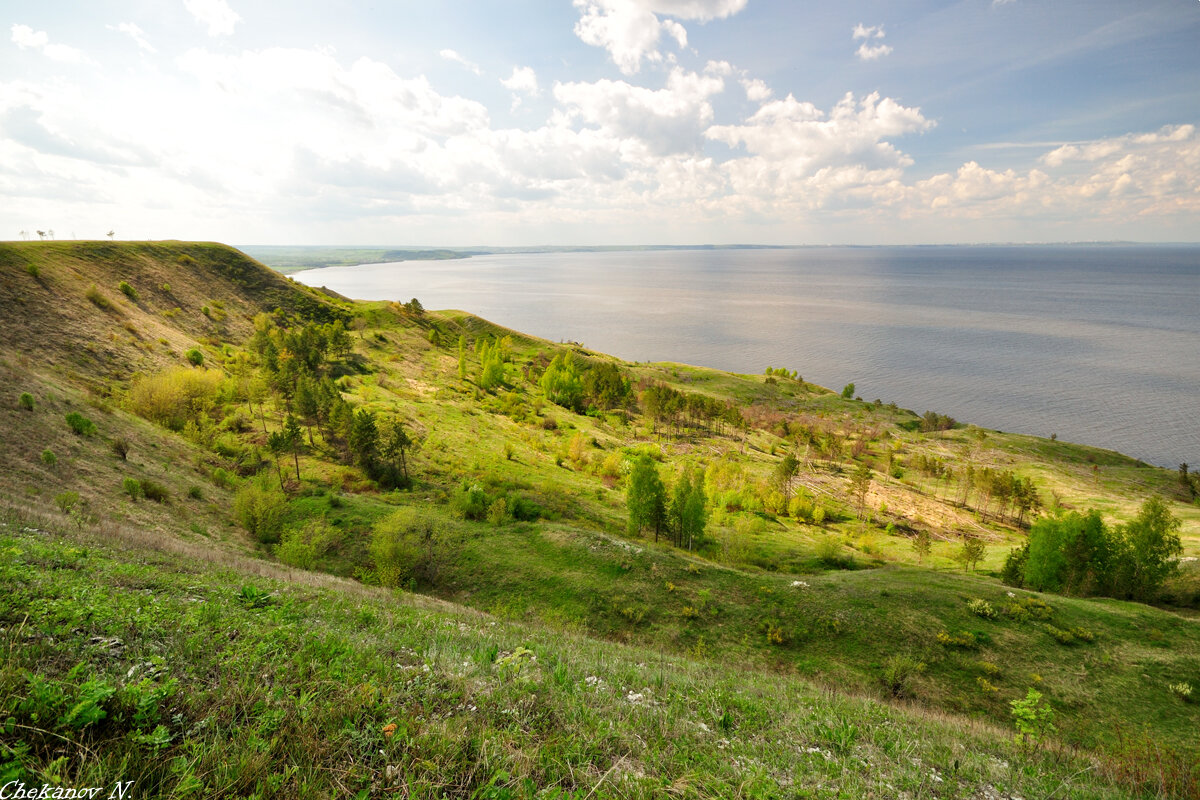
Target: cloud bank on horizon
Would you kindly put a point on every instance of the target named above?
(609, 121)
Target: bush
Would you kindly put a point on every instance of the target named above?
(66, 501)
(195, 492)
(982, 608)
(132, 487)
(303, 547)
(25, 401)
(194, 357)
(223, 478)
(260, 511)
(963, 639)
(829, 551)
(48, 458)
(175, 396)
(470, 502)
(409, 545)
(128, 291)
(154, 491)
(81, 424)
(120, 448)
(497, 512)
(34, 271)
(98, 299)
(899, 671)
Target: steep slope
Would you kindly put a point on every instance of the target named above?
(527, 501)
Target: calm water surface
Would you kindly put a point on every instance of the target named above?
(1100, 345)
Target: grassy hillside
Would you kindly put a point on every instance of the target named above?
(824, 598)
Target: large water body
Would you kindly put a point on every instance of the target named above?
(1099, 345)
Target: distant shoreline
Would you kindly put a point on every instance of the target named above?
(288, 259)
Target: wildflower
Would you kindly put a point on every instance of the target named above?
(799, 585)
(389, 729)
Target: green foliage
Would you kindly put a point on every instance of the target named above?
(120, 447)
(128, 291)
(469, 502)
(98, 299)
(34, 271)
(195, 492)
(970, 552)
(561, 382)
(132, 487)
(1013, 571)
(1034, 719)
(1077, 554)
(305, 546)
(1152, 549)
(829, 551)
(922, 545)
(66, 501)
(176, 396)
(688, 515)
(848, 391)
(645, 499)
(260, 510)
(982, 608)
(497, 513)
(194, 357)
(25, 401)
(410, 545)
(88, 708)
(48, 458)
(223, 478)
(154, 491)
(80, 424)
(899, 672)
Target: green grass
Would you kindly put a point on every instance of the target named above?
(760, 612)
(228, 684)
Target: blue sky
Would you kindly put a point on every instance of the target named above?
(602, 121)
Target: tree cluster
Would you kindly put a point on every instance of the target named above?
(1077, 554)
(685, 410)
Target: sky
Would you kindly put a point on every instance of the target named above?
(592, 122)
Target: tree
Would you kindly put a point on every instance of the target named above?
(1152, 549)
(363, 441)
(922, 545)
(561, 382)
(110, 235)
(848, 391)
(1186, 481)
(645, 498)
(277, 443)
(291, 430)
(394, 444)
(971, 552)
(785, 470)
(688, 513)
(860, 483)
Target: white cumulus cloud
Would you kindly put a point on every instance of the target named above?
(452, 55)
(523, 79)
(134, 32)
(27, 38)
(215, 14)
(868, 33)
(630, 30)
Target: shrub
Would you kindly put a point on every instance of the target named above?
(34, 271)
(48, 458)
(66, 501)
(128, 291)
(1034, 719)
(899, 671)
(223, 478)
(409, 545)
(81, 424)
(1182, 690)
(132, 487)
(497, 512)
(195, 492)
(25, 401)
(963, 639)
(175, 396)
(120, 448)
(98, 299)
(470, 502)
(303, 547)
(260, 510)
(194, 357)
(154, 491)
(829, 551)
(982, 608)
